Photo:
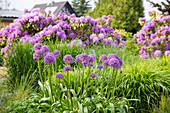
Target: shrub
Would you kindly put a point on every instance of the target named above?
(154, 37)
(38, 26)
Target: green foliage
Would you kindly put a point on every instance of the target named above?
(22, 62)
(125, 13)
(124, 34)
(163, 7)
(131, 46)
(81, 7)
(164, 105)
(19, 63)
(145, 80)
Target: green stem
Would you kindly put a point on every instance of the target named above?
(83, 78)
(68, 91)
(49, 80)
(114, 83)
(40, 71)
(88, 78)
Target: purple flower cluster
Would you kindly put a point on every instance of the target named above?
(154, 36)
(93, 75)
(111, 60)
(59, 75)
(68, 59)
(85, 59)
(49, 58)
(37, 26)
(67, 68)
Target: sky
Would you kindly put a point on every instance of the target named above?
(22, 4)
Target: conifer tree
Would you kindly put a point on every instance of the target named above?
(164, 7)
(81, 6)
(125, 13)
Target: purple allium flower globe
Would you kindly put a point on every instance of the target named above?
(37, 46)
(106, 62)
(93, 75)
(110, 56)
(56, 52)
(100, 66)
(78, 58)
(103, 57)
(49, 58)
(91, 58)
(68, 59)
(84, 57)
(59, 75)
(157, 53)
(36, 55)
(114, 62)
(67, 68)
(44, 49)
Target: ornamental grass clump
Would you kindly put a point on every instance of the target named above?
(154, 37)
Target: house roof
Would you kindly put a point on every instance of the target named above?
(55, 6)
(10, 13)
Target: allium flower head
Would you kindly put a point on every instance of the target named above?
(103, 57)
(78, 58)
(44, 49)
(157, 53)
(59, 75)
(91, 58)
(106, 62)
(37, 54)
(84, 57)
(37, 46)
(100, 66)
(114, 62)
(68, 59)
(67, 68)
(93, 75)
(49, 58)
(56, 52)
(110, 56)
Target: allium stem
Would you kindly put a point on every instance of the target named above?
(114, 83)
(68, 91)
(88, 78)
(83, 79)
(49, 80)
(45, 77)
(40, 75)
(40, 71)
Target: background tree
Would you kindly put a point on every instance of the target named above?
(81, 6)
(125, 13)
(163, 7)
